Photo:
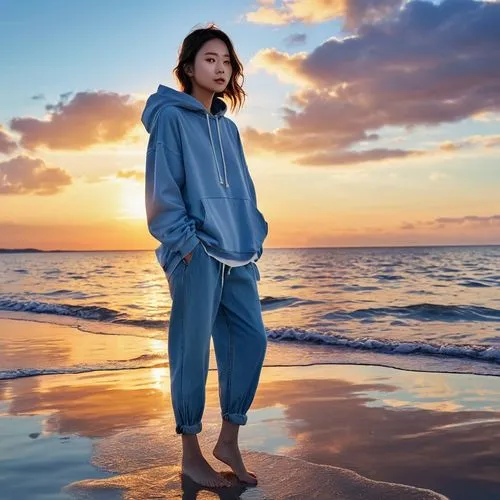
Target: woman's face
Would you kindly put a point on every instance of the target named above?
(212, 62)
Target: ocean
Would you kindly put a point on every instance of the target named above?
(423, 308)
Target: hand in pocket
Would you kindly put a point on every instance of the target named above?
(187, 258)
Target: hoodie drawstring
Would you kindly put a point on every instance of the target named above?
(222, 274)
(216, 164)
(222, 153)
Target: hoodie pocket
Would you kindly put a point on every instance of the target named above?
(233, 224)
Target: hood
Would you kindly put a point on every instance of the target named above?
(167, 96)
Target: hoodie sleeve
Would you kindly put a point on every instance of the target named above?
(166, 212)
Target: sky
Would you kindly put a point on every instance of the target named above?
(367, 122)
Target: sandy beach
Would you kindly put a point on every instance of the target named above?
(321, 431)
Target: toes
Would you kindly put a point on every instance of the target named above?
(249, 480)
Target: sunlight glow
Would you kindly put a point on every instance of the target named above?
(132, 201)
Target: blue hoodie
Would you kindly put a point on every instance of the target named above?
(198, 186)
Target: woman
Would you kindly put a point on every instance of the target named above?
(201, 206)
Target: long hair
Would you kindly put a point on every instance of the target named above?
(190, 47)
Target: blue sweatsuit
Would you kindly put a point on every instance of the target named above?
(200, 198)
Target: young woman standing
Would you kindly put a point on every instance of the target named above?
(201, 206)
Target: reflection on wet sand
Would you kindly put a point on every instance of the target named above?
(376, 422)
(332, 422)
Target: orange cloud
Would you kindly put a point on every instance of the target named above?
(472, 221)
(130, 174)
(354, 157)
(485, 141)
(25, 175)
(90, 118)
(7, 144)
(285, 66)
(420, 67)
(269, 15)
(318, 11)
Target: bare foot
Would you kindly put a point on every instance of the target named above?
(200, 471)
(229, 453)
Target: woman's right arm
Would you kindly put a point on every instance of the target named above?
(166, 212)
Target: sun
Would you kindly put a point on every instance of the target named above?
(132, 200)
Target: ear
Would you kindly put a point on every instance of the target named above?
(188, 68)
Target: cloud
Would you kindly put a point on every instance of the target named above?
(355, 12)
(471, 221)
(427, 66)
(38, 97)
(354, 157)
(88, 119)
(285, 66)
(130, 174)
(484, 141)
(7, 144)
(25, 175)
(296, 39)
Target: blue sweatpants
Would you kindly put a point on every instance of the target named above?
(212, 299)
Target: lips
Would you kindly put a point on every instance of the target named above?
(220, 80)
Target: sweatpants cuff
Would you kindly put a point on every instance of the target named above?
(188, 429)
(235, 418)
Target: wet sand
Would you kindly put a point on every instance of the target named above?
(324, 431)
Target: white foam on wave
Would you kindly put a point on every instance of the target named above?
(144, 361)
(476, 352)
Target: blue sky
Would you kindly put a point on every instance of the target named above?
(55, 46)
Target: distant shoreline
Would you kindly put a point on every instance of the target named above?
(37, 250)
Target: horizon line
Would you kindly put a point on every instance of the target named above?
(32, 249)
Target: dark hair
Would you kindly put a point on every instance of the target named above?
(190, 47)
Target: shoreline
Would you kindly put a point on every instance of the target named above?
(296, 353)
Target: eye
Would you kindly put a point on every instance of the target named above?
(210, 59)
(227, 62)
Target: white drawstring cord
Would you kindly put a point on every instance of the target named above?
(222, 153)
(216, 163)
(222, 274)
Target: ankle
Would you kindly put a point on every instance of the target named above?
(191, 448)
(227, 441)
(189, 457)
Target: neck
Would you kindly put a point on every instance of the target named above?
(204, 96)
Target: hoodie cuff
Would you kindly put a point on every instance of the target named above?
(189, 245)
(260, 251)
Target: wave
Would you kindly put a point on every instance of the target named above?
(96, 313)
(476, 352)
(85, 312)
(108, 315)
(422, 312)
(144, 361)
